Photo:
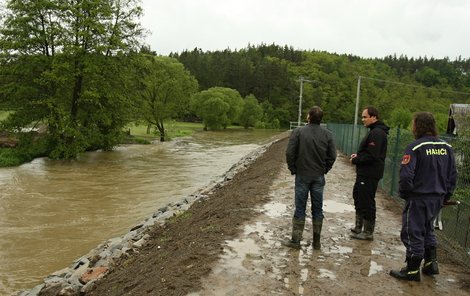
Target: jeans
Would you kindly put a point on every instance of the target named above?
(304, 185)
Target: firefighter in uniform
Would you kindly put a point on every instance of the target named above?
(427, 179)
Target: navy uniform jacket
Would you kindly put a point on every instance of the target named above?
(311, 151)
(428, 169)
(370, 159)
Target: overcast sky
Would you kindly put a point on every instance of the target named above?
(367, 28)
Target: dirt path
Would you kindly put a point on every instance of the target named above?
(229, 245)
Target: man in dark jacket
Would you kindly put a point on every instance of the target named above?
(370, 163)
(310, 155)
(427, 179)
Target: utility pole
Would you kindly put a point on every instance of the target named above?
(358, 92)
(302, 79)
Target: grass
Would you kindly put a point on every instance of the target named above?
(4, 115)
(174, 129)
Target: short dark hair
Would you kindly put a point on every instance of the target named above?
(372, 111)
(424, 124)
(315, 115)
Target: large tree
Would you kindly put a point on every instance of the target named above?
(166, 88)
(64, 64)
(217, 107)
(251, 113)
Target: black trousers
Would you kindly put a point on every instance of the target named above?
(417, 232)
(364, 197)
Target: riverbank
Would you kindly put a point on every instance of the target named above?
(15, 153)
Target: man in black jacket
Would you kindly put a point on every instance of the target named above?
(370, 163)
(310, 155)
(427, 178)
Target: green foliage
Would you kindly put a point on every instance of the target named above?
(218, 107)
(461, 147)
(66, 65)
(251, 113)
(164, 90)
(400, 117)
(271, 74)
(30, 146)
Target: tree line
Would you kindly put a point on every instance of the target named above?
(80, 68)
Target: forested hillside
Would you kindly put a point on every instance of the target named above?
(398, 86)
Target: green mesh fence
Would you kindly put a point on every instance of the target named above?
(455, 219)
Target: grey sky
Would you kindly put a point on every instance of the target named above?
(367, 28)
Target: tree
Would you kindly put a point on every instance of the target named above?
(400, 117)
(65, 63)
(235, 101)
(217, 107)
(166, 88)
(251, 113)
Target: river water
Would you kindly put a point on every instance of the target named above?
(52, 212)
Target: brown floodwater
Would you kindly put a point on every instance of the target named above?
(52, 212)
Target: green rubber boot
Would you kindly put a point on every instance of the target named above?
(317, 225)
(297, 230)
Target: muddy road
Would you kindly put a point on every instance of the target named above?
(229, 244)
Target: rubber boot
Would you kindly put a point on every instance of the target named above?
(317, 225)
(368, 233)
(411, 271)
(297, 230)
(430, 266)
(359, 223)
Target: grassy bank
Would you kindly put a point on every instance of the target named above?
(28, 150)
(174, 129)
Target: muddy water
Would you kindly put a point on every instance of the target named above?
(52, 212)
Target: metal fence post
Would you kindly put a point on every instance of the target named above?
(394, 162)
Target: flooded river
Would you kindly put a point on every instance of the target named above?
(52, 212)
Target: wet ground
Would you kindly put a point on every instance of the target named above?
(230, 245)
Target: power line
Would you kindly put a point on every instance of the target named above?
(414, 85)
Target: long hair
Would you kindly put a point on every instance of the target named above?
(315, 115)
(424, 124)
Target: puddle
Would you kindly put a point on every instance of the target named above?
(304, 275)
(328, 274)
(374, 268)
(274, 209)
(340, 250)
(261, 230)
(236, 252)
(332, 206)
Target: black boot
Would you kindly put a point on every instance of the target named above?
(411, 271)
(359, 223)
(297, 230)
(430, 266)
(368, 233)
(317, 225)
